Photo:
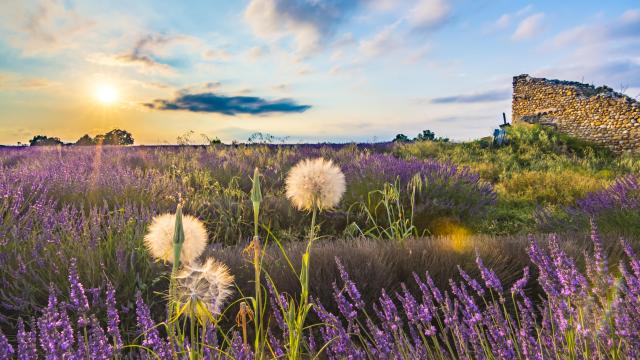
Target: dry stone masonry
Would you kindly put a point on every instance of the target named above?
(596, 114)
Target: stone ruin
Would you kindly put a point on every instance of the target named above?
(596, 114)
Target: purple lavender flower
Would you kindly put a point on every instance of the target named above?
(27, 343)
(276, 304)
(275, 345)
(622, 194)
(240, 350)
(471, 312)
(345, 307)
(210, 350)
(113, 319)
(475, 285)
(149, 330)
(6, 350)
(65, 336)
(490, 278)
(570, 278)
(82, 350)
(518, 286)
(383, 341)
(350, 286)
(77, 295)
(99, 346)
(598, 249)
(47, 326)
(388, 312)
(547, 276)
(409, 304)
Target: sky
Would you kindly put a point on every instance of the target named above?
(300, 70)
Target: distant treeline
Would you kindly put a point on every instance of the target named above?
(113, 137)
(426, 135)
(123, 137)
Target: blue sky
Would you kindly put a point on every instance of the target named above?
(310, 70)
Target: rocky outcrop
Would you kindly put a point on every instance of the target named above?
(596, 114)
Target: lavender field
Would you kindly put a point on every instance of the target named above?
(268, 252)
(319, 180)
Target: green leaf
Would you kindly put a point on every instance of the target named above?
(256, 193)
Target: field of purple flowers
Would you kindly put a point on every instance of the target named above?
(78, 282)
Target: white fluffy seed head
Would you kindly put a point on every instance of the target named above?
(315, 183)
(159, 238)
(209, 283)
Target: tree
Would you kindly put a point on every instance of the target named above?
(401, 138)
(426, 135)
(117, 137)
(41, 140)
(85, 140)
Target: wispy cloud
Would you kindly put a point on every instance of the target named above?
(481, 97)
(601, 52)
(228, 105)
(505, 20)
(43, 28)
(385, 40)
(149, 52)
(143, 63)
(142, 56)
(529, 27)
(18, 82)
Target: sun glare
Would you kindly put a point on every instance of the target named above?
(106, 94)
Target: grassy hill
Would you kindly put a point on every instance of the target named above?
(539, 176)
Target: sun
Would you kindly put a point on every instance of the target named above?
(106, 94)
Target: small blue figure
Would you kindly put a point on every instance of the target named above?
(499, 136)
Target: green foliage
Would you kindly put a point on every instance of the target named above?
(539, 169)
(41, 140)
(117, 137)
(428, 135)
(425, 135)
(385, 215)
(85, 140)
(401, 138)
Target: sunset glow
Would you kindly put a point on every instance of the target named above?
(304, 70)
(106, 94)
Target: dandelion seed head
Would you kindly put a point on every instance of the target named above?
(315, 183)
(159, 238)
(209, 283)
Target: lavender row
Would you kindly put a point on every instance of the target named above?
(584, 314)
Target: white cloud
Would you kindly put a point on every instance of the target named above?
(503, 21)
(427, 14)
(44, 28)
(575, 35)
(142, 63)
(147, 54)
(19, 82)
(383, 41)
(216, 55)
(529, 27)
(600, 52)
(385, 5)
(255, 53)
(525, 10)
(309, 23)
(419, 54)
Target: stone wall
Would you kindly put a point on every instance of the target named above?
(596, 114)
